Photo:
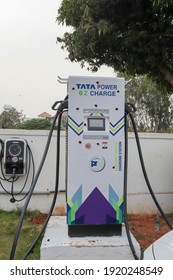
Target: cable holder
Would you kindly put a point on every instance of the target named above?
(63, 105)
(62, 80)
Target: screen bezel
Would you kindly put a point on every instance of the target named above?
(95, 128)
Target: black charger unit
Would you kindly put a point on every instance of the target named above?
(15, 157)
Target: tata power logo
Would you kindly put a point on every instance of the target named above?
(85, 86)
(96, 90)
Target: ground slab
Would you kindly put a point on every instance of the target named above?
(57, 245)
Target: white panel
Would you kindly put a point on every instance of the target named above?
(95, 143)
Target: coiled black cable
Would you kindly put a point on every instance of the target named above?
(145, 173)
(135, 255)
(14, 245)
(31, 159)
(55, 193)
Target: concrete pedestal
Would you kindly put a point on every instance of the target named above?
(57, 245)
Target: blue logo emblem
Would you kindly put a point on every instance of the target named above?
(94, 163)
(97, 163)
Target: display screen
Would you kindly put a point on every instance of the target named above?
(97, 124)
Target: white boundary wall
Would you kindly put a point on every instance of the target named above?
(158, 155)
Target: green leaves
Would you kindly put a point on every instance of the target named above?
(10, 117)
(133, 36)
(154, 105)
(162, 4)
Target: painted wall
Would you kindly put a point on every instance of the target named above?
(45, 186)
(158, 156)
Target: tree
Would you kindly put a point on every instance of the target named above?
(133, 36)
(10, 117)
(44, 124)
(35, 124)
(154, 107)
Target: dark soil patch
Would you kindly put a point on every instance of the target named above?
(143, 227)
(39, 220)
(145, 230)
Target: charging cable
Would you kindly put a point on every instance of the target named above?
(55, 193)
(135, 255)
(59, 110)
(145, 173)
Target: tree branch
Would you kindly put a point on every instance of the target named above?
(168, 35)
(167, 74)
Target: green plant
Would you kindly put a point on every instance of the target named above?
(30, 229)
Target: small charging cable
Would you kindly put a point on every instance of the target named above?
(14, 169)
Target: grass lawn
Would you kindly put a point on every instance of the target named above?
(30, 229)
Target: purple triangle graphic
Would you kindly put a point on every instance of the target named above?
(96, 210)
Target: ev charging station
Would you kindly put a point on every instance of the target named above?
(96, 175)
(94, 223)
(95, 155)
(94, 226)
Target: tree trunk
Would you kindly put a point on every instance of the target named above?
(167, 74)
